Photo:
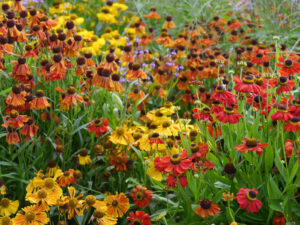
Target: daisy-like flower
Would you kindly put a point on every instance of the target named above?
(285, 85)
(84, 157)
(251, 144)
(282, 114)
(223, 96)
(293, 125)
(248, 199)
(121, 136)
(259, 58)
(45, 198)
(29, 129)
(117, 205)
(91, 201)
(103, 218)
(169, 24)
(199, 150)
(153, 14)
(8, 207)
(141, 196)
(288, 67)
(40, 102)
(207, 208)
(135, 72)
(67, 178)
(34, 214)
(246, 85)
(73, 203)
(12, 136)
(139, 218)
(6, 220)
(229, 115)
(16, 97)
(203, 114)
(70, 98)
(99, 126)
(118, 160)
(172, 181)
(15, 120)
(177, 163)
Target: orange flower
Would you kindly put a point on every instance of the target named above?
(117, 205)
(33, 214)
(40, 102)
(67, 178)
(29, 129)
(15, 120)
(72, 203)
(110, 63)
(135, 72)
(12, 136)
(70, 99)
(119, 161)
(207, 208)
(44, 197)
(169, 24)
(16, 97)
(153, 14)
(59, 66)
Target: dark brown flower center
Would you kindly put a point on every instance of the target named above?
(175, 159)
(205, 204)
(115, 203)
(4, 202)
(140, 195)
(251, 142)
(30, 216)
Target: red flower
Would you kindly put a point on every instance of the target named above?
(98, 126)
(251, 144)
(246, 85)
(248, 199)
(223, 96)
(216, 108)
(139, 217)
(207, 208)
(288, 67)
(282, 114)
(289, 148)
(293, 125)
(279, 219)
(295, 108)
(200, 165)
(141, 196)
(15, 120)
(259, 58)
(229, 115)
(203, 114)
(178, 163)
(285, 85)
(172, 181)
(12, 136)
(199, 150)
(29, 129)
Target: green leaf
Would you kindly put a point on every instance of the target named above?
(269, 158)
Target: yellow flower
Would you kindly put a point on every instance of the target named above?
(84, 157)
(121, 136)
(103, 218)
(6, 221)
(8, 207)
(106, 18)
(156, 117)
(74, 205)
(153, 172)
(120, 6)
(46, 198)
(168, 128)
